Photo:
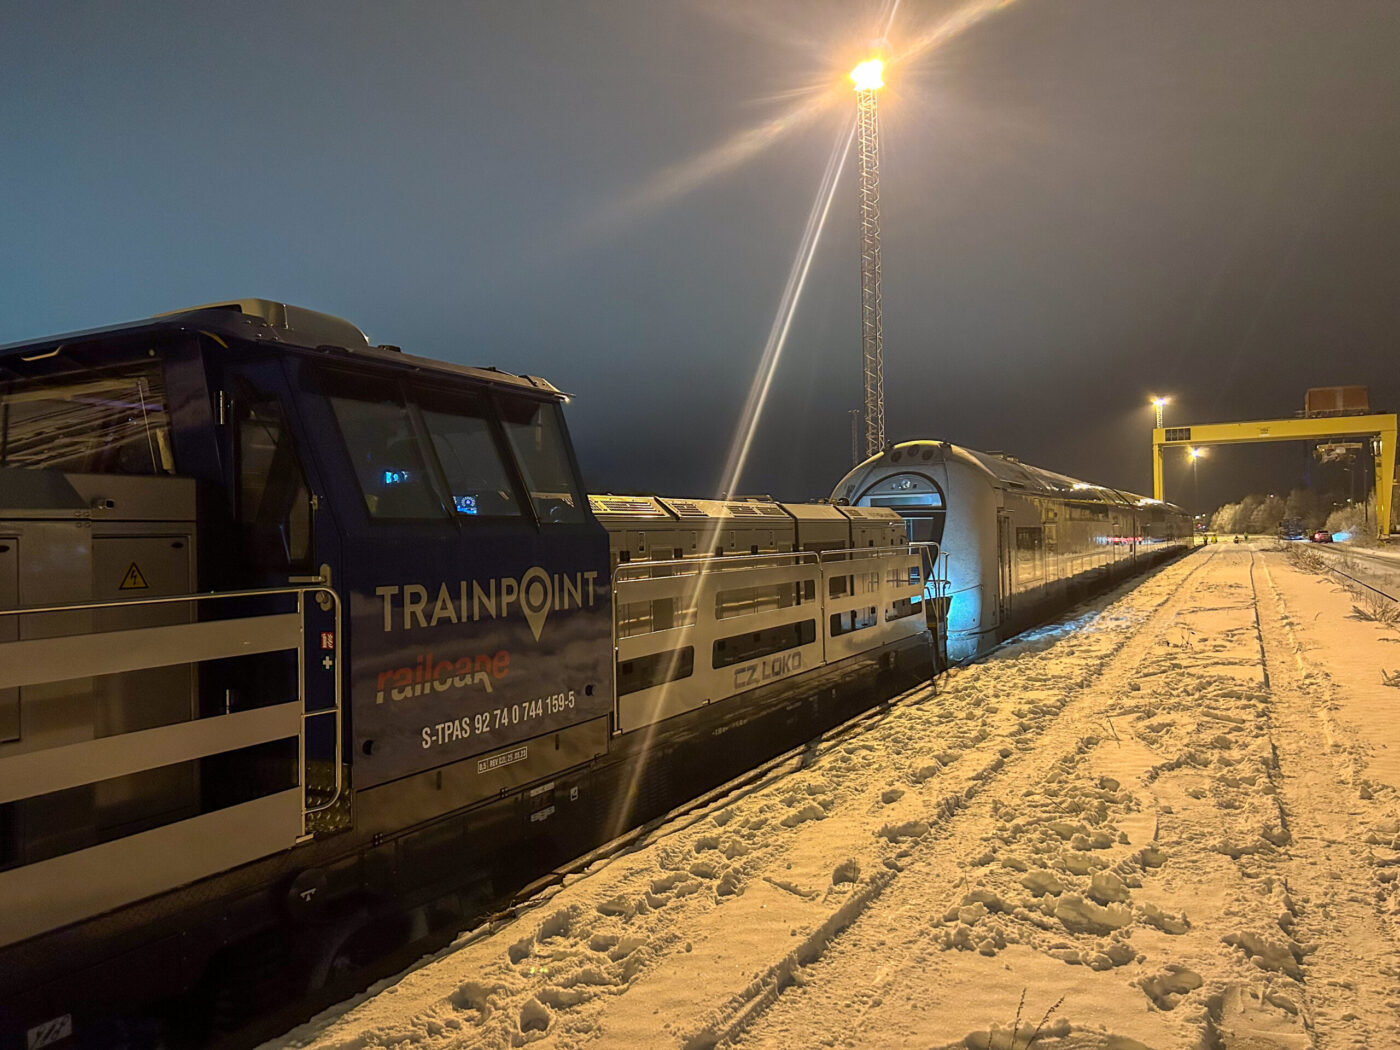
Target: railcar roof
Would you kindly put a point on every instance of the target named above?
(1012, 471)
(302, 330)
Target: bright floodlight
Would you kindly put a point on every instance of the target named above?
(1194, 453)
(868, 75)
(1157, 402)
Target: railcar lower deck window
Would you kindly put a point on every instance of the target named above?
(855, 620)
(751, 645)
(903, 607)
(644, 672)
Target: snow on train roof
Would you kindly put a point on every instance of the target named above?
(1012, 471)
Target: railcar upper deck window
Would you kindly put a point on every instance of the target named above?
(461, 432)
(99, 421)
(536, 433)
(389, 462)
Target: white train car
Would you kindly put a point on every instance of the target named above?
(1020, 541)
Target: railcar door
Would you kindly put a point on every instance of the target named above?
(1005, 553)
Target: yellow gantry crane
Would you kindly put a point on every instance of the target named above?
(1379, 427)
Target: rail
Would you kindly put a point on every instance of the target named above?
(1331, 567)
(178, 846)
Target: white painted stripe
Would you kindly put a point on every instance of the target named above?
(57, 768)
(62, 890)
(39, 660)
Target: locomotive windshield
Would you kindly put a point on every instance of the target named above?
(915, 498)
(389, 460)
(101, 421)
(536, 433)
(429, 454)
(476, 475)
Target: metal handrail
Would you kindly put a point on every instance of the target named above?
(930, 553)
(202, 596)
(337, 709)
(824, 555)
(708, 563)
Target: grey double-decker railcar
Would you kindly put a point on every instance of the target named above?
(1019, 541)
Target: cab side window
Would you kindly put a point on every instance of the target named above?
(274, 500)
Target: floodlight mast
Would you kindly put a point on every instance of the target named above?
(868, 79)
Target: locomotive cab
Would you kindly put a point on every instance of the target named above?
(185, 504)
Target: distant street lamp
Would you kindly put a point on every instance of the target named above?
(1157, 492)
(868, 78)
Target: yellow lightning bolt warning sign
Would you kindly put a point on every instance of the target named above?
(133, 580)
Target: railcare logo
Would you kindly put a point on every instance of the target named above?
(410, 606)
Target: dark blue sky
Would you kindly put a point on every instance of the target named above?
(1084, 203)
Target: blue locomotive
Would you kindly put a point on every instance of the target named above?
(309, 647)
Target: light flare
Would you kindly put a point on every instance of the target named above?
(753, 405)
(869, 75)
(787, 308)
(678, 180)
(954, 25)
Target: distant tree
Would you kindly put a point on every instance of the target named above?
(1257, 513)
(1296, 506)
(1265, 518)
(1309, 507)
(1223, 520)
(1248, 506)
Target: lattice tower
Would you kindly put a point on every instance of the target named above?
(871, 338)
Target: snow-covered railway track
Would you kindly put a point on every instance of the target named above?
(1065, 719)
(1377, 573)
(1324, 830)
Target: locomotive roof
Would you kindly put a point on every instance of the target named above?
(296, 328)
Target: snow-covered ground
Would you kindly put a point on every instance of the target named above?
(1171, 821)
